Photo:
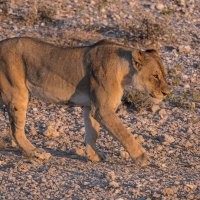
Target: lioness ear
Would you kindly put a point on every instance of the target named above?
(138, 58)
(153, 52)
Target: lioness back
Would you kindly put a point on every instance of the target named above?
(53, 73)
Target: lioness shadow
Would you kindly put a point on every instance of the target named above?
(66, 154)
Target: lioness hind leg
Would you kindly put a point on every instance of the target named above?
(10, 131)
(92, 127)
(13, 143)
(17, 108)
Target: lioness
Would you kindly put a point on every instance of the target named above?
(92, 76)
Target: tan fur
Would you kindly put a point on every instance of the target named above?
(92, 76)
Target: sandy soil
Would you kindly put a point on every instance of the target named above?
(169, 132)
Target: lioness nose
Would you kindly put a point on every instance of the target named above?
(166, 92)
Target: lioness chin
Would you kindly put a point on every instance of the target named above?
(92, 76)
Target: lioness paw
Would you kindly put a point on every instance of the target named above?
(143, 160)
(38, 153)
(96, 157)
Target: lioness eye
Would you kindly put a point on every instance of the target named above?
(155, 76)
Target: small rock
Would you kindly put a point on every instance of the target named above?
(186, 87)
(50, 144)
(113, 184)
(162, 113)
(62, 110)
(79, 151)
(181, 2)
(191, 186)
(86, 183)
(188, 144)
(177, 183)
(160, 6)
(117, 191)
(155, 108)
(154, 133)
(124, 154)
(185, 77)
(136, 191)
(193, 105)
(169, 191)
(35, 109)
(169, 139)
(51, 133)
(185, 49)
(189, 131)
(156, 195)
(111, 175)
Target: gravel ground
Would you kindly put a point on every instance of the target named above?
(170, 132)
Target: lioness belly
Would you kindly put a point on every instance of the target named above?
(60, 95)
(51, 94)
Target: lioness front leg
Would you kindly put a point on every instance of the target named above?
(91, 128)
(108, 119)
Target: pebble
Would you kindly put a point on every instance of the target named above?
(111, 175)
(181, 2)
(156, 195)
(193, 105)
(163, 113)
(185, 77)
(185, 49)
(169, 139)
(160, 6)
(113, 184)
(186, 87)
(169, 191)
(154, 133)
(155, 108)
(35, 109)
(50, 144)
(124, 154)
(191, 186)
(79, 152)
(51, 133)
(188, 144)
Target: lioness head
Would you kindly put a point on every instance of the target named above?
(150, 76)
